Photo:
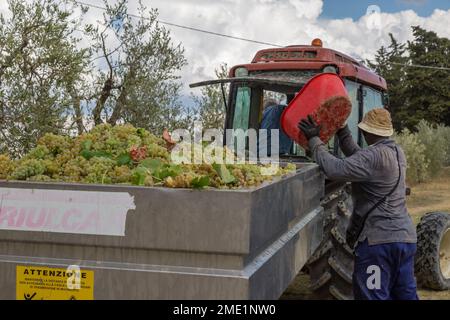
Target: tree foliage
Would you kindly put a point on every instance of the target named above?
(210, 104)
(40, 65)
(59, 74)
(427, 150)
(139, 85)
(416, 93)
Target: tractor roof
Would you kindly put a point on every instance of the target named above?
(312, 57)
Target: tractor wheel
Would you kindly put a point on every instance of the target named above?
(432, 264)
(331, 267)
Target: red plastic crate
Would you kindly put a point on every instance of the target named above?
(325, 98)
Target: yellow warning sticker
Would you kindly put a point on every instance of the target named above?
(43, 283)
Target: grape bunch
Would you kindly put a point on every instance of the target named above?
(29, 168)
(124, 154)
(6, 166)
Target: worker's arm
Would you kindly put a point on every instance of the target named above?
(357, 167)
(346, 142)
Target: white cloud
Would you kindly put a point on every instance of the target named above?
(283, 22)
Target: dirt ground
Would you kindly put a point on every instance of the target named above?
(430, 196)
(425, 197)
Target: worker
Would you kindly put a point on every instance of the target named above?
(380, 225)
(271, 119)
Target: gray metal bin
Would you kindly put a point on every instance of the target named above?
(160, 243)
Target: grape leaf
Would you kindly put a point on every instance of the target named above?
(86, 145)
(140, 132)
(138, 176)
(123, 159)
(168, 171)
(200, 182)
(152, 164)
(224, 174)
(86, 154)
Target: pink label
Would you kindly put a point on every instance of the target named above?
(66, 211)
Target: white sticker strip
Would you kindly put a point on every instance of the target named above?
(65, 211)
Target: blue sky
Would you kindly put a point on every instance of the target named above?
(338, 9)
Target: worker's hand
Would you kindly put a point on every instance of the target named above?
(309, 128)
(342, 128)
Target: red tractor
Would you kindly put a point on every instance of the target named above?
(280, 73)
(139, 242)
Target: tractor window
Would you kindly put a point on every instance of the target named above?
(271, 98)
(242, 109)
(372, 99)
(273, 106)
(352, 89)
(278, 97)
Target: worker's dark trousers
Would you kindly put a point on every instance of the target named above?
(384, 271)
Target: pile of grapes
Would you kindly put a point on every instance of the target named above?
(124, 155)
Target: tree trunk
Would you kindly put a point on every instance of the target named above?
(122, 99)
(120, 103)
(78, 113)
(106, 92)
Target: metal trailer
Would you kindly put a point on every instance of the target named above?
(162, 244)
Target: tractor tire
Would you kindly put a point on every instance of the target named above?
(432, 261)
(330, 268)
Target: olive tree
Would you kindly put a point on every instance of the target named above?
(40, 67)
(137, 81)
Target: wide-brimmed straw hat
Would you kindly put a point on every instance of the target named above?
(377, 121)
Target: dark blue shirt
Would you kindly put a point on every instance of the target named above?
(271, 120)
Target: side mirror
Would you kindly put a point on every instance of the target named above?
(408, 191)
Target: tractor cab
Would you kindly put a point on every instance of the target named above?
(274, 76)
